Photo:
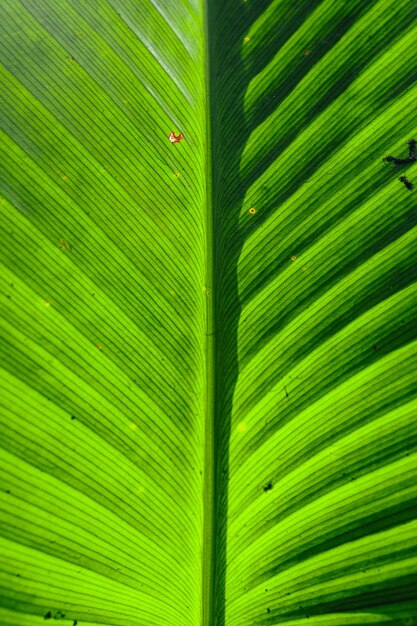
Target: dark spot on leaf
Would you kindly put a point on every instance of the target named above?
(268, 610)
(412, 146)
(268, 487)
(59, 615)
(412, 156)
(73, 417)
(75, 622)
(406, 182)
(398, 161)
(48, 615)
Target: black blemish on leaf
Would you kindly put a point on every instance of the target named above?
(412, 147)
(7, 490)
(268, 610)
(412, 155)
(75, 622)
(73, 417)
(406, 182)
(268, 487)
(48, 615)
(376, 347)
(392, 159)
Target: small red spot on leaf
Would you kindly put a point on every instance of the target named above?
(175, 138)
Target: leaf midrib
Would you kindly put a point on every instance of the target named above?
(210, 434)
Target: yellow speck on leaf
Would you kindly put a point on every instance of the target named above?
(293, 258)
(177, 174)
(65, 177)
(252, 211)
(46, 304)
(246, 39)
(133, 426)
(241, 427)
(64, 245)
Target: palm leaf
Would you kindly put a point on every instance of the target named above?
(208, 385)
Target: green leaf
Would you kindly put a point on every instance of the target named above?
(209, 345)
